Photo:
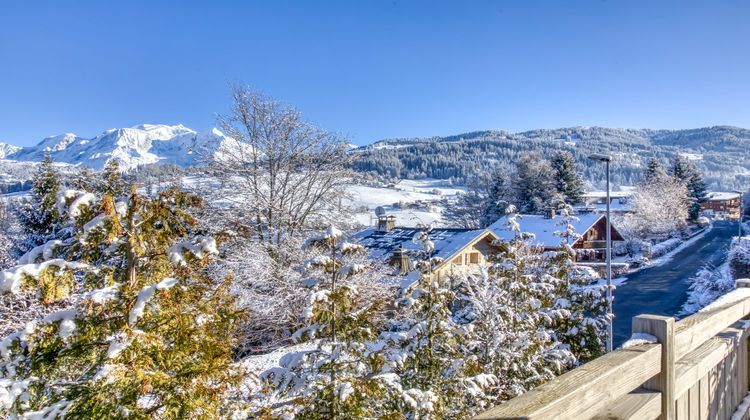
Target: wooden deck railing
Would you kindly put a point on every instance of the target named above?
(698, 369)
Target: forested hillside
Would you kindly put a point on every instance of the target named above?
(722, 153)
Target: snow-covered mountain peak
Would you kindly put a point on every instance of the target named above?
(7, 149)
(57, 143)
(131, 146)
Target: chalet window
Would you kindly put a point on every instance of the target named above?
(474, 258)
(458, 260)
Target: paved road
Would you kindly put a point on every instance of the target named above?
(662, 290)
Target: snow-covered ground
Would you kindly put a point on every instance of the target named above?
(665, 258)
(411, 201)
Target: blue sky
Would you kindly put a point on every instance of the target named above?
(375, 69)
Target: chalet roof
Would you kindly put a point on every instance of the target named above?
(543, 227)
(616, 206)
(381, 245)
(721, 196)
(612, 194)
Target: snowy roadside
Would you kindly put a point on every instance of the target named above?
(706, 288)
(669, 255)
(711, 285)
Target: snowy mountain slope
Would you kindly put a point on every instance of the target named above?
(7, 149)
(131, 147)
(722, 153)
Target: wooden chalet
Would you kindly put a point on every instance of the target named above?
(590, 247)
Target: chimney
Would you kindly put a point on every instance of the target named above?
(386, 223)
(402, 259)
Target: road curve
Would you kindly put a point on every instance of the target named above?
(662, 290)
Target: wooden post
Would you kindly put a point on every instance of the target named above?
(745, 382)
(661, 327)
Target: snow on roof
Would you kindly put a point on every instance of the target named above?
(722, 196)
(381, 245)
(615, 206)
(543, 228)
(612, 194)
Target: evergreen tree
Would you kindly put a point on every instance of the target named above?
(151, 334)
(428, 350)
(583, 328)
(112, 183)
(686, 172)
(40, 216)
(654, 171)
(568, 181)
(534, 186)
(339, 378)
(83, 180)
(498, 198)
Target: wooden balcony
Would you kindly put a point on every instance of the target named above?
(697, 369)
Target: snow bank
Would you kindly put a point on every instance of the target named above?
(706, 286)
(145, 295)
(663, 247)
(728, 299)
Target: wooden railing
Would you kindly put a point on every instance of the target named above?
(698, 369)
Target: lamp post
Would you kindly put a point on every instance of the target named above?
(610, 336)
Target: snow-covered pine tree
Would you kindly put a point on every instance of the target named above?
(568, 181)
(427, 350)
(534, 186)
(654, 171)
(40, 215)
(512, 309)
(686, 172)
(579, 295)
(498, 198)
(83, 180)
(150, 335)
(112, 183)
(339, 378)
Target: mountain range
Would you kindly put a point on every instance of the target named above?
(722, 153)
(131, 147)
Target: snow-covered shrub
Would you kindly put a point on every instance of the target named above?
(339, 377)
(534, 314)
(664, 247)
(739, 257)
(706, 287)
(145, 337)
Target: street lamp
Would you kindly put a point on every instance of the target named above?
(739, 220)
(606, 159)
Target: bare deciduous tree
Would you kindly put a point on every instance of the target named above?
(284, 172)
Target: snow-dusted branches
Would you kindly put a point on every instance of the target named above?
(285, 172)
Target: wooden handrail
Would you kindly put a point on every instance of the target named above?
(586, 389)
(693, 331)
(628, 383)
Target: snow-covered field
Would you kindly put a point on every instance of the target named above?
(411, 201)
